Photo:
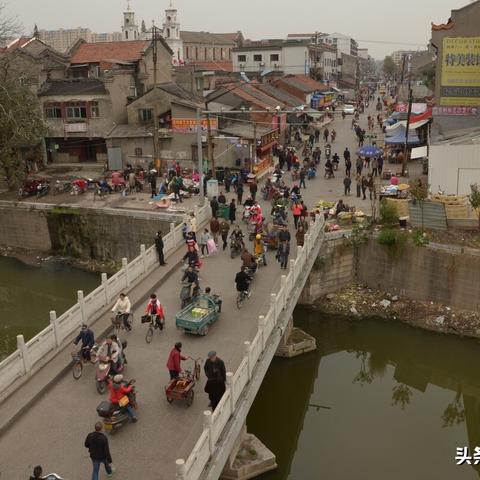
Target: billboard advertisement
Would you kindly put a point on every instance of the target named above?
(189, 125)
(460, 82)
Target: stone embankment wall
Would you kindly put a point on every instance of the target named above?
(433, 273)
(333, 270)
(87, 234)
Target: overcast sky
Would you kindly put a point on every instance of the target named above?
(393, 21)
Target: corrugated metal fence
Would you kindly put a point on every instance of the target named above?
(434, 215)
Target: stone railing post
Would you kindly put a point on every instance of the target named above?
(208, 423)
(125, 269)
(105, 288)
(180, 469)
(273, 304)
(230, 386)
(143, 253)
(247, 354)
(292, 269)
(261, 329)
(195, 211)
(307, 243)
(283, 284)
(54, 324)
(27, 366)
(81, 302)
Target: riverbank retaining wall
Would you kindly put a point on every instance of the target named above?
(102, 235)
(443, 274)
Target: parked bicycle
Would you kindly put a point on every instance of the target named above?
(82, 356)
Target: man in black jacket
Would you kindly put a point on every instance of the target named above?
(97, 444)
(217, 376)
(159, 247)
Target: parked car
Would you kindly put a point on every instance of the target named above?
(348, 109)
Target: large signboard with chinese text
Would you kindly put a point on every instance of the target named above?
(189, 125)
(460, 82)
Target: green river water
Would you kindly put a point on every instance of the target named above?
(28, 293)
(376, 401)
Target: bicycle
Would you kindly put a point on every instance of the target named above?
(120, 323)
(79, 358)
(154, 324)
(241, 298)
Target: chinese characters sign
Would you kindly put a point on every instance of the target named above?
(460, 83)
(457, 111)
(189, 125)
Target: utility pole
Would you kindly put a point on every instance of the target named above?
(200, 153)
(210, 155)
(410, 101)
(157, 161)
(254, 152)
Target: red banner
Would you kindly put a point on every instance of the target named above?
(456, 111)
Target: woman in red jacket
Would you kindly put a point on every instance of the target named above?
(154, 308)
(174, 360)
(119, 389)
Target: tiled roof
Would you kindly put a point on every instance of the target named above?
(205, 37)
(233, 37)
(442, 26)
(281, 95)
(98, 52)
(129, 131)
(180, 92)
(303, 83)
(77, 86)
(213, 66)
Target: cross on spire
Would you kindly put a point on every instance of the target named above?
(128, 5)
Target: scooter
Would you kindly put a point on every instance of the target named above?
(235, 248)
(103, 372)
(186, 293)
(114, 416)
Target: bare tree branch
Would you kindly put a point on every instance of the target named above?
(10, 27)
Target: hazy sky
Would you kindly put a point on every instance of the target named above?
(393, 21)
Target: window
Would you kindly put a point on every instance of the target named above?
(274, 57)
(199, 85)
(257, 58)
(145, 115)
(138, 152)
(206, 53)
(95, 111)
(53, 111)
(126, 34)
(242, 59)
(77, 111)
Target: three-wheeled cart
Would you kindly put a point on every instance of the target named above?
(197, 317)
(181, 388)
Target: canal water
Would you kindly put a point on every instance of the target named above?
(376, 401)
(28, 293)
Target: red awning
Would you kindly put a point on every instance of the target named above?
(426, 115)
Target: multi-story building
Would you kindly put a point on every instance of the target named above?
(287, 56)
(323, 61)
(399, 55)
(343, 43)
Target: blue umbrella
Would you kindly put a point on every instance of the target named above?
(370, 151)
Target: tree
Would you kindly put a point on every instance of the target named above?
(144, 27)
(389, 67)
(419, 192)
(35, 31)
(9, 26)
(474, 198)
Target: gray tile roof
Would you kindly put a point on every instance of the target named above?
(77, 86)
(206, 38)
(281, 95)
(129, 131)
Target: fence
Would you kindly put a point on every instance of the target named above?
(87, 309)
(215, 423)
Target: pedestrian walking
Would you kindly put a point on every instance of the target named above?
(348, 167)
(227, 182)
(358, 181)
(159, 246)
(371, 187)
(380, 166)
(364, 187)
(317, 135)
(215, 229)
(37, 473)
(175, 186)
(302, 176)
(303, 223)
(204, 238)
(214, 205)
(97, 444)
(300, 236)
(346, 154)
(347, 183)
(216, 374)
(254, 189)
(152, 178)
(297, 212)
(375, 167)
(174, 361)
(326, 134)
(192, 226)
(224, 229)
(233, 212)
(239, 192)
(283, 253)
(359, 165)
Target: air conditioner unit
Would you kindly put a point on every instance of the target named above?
(262, 64)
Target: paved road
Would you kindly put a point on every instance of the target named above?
(52, 433)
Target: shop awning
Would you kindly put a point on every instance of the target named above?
(391, 128)
(398, 137)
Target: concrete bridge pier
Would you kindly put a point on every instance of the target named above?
(295, 342)
(248, 459)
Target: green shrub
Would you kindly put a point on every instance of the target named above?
(388, 213)
(394, 240)
(387, 237)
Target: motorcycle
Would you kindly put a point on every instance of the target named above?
(104, 371)
(236, 247)
(329, 173)
(43, 189)
(115, 416)
(29, 188)
(61, 187)
(246, 214)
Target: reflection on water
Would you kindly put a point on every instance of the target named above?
(28, 293)
(375, 401)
